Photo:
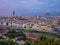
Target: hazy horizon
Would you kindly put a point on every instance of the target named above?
(29, 7)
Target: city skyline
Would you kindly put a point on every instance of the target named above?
(29, 7)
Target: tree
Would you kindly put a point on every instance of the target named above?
(11, 34)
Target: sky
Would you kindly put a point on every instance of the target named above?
(29, 7)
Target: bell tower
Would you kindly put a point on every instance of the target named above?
(13, 13)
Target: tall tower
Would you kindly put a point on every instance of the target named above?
(13, 13)
(37, 16)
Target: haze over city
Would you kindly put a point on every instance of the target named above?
(29, 7)
(29, 22)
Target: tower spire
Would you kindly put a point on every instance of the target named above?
(13, 13)
(37, 16)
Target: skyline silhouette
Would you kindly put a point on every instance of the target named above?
(29, 7)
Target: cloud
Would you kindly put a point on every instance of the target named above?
(22, 3)
(28, 6)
